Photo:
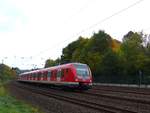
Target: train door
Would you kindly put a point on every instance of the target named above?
(49, 75)
(27, 77)
(59, 75)
(53, 75)
(45, 75)
(62, 74)
(33, 76)
(66, 74)
(38, 76)
(42, 76)
(30, 76)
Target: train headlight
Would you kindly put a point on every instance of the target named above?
(76, 79)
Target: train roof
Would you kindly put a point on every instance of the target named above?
(53, 67)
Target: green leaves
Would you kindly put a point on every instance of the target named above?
(51, 62)
(111, 60)
(6, 73)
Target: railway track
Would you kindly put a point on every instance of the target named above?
(123, 90)
(131, 99)
(56, 94)
(142, 104)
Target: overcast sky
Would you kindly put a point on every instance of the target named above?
(33, 30)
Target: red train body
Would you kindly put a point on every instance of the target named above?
(72, 75)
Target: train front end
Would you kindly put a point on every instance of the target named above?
(83, 76)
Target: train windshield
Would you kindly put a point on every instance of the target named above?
(82, 70)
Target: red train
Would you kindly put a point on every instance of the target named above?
(72, 75)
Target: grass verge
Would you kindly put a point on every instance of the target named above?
(9, 104)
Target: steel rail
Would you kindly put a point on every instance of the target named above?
(92, 105)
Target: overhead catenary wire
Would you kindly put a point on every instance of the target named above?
(92, 26)
(79, 10)
(84, 30)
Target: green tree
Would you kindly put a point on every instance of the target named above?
(50, 63)
(68, 51)
(79, 55)
(110, 60)
(6, 73)
(100, 42)
(133, 55)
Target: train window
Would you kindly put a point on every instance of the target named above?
(59, 73)
(49, 73)
(82, 70)
(39, 75)
(27, 76)
(42, 74)
(62, 72)
(45, 75)
(30, 76)
(33, 76)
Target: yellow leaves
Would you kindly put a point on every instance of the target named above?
(115, 45)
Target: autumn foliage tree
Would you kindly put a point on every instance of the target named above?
(6, 73)
(110, 60)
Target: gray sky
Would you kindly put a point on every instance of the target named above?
(32, 31)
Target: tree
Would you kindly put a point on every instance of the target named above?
(110, 60)
(133, 55)
(115, 45)
(100, 42)
(6, 73)
(68, 51)
(110, 67)
(50, 63)
(79, 55)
